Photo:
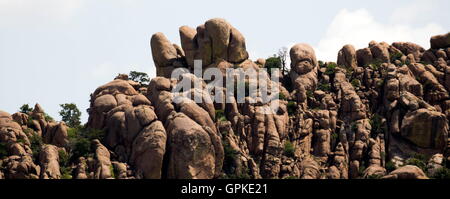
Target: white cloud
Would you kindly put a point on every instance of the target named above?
(37, 12)
(359, 27)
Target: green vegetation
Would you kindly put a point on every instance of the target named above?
(395, 56)
(390, 166)
(281, 96)
(417, 162)
(70, 115)
(376, 123)
(321, 64)
(362, 168)
(273, 63)
(139, 77)
(36, 145)
(375, 64)
(25, 108)
(3, 150)
(21, 140)
(334, 136)
(324, 87)
(289, 149)
(65, 168)
(310, 94)
(331, 68)
(48, 118)
(111, 169)
(220, 116)
(354, 127)
(291, 108)
(230, 155)
(442, 173)
(30, 121)
(356, 83)
(80, 140)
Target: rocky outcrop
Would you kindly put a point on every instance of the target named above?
(380, 112)
(406, 172)
(425, 128)
(440, 41)
(347, 57)
(49, 159)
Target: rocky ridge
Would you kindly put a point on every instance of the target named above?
(379, 112)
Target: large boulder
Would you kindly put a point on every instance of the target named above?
(347, 57)
(103, 166)
(407, 172)
(425, 128)
(440, 41)
(303, 70)
(164, 54)
(49, 159)
(148, 150)
(191, 151)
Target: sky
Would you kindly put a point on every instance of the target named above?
(59, 51)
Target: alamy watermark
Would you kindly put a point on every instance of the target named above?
(241, 86)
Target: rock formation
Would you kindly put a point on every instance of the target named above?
(379, 112)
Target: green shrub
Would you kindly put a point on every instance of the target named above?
(281, 96)
(331, 68)
(48, 118)
(70, 114)
(289, 149)
(111, 169)
(376, 64)
(21, 140)
(420, 157)
(36, 145)
(310, 94)
(362, 168)
(63, 158)
(354, 127)
(25, 109)
(417, 162)
(220, 115)
(291, 107)
(356, 83)
(92, 134)
(273, 63)
(442, 173)
(81, 147)
(229, 157)
(140, 77)
(30, 121)
(376, 124)
(324, 87)
(334, 136)
(395, 56)
(3, 150)
(321, 64)
(390, 166)
(65, 174)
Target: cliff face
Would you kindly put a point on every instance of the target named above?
(379, 112)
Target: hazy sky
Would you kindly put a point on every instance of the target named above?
(60, 51)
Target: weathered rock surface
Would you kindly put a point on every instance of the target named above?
(380, 108)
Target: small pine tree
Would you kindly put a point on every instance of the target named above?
(70, 115)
